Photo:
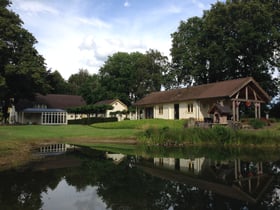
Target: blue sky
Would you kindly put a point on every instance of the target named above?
(75, 34)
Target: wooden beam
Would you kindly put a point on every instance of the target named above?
(254, 101)
(237, 95)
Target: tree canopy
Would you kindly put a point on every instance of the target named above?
(231, 40)
(22, 69)
(129, 76)
(57, 83)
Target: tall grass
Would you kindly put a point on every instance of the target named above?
(218, 135)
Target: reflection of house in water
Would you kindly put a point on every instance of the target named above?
(53, 149)
(117, 158)
(184, 165)
(245, 181)
(54, 158)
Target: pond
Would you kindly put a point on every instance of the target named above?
(67, 177)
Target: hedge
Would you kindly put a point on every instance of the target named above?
(88, 121)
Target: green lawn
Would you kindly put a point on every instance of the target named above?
(40, 132)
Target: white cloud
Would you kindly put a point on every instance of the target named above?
(74, 34)
(34, 7)
(93, 22)
(199, 4)
(96, 50)
(126, 4)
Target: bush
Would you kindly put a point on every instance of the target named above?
(88, 121)
(174, 136)
(223, 134)
(256, 123)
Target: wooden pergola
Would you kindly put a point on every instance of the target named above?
(250, 94)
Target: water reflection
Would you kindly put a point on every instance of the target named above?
(236, 179)
(55, 149)
(92, 179)
(84, 199)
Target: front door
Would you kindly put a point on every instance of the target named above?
(149, 113)
(176, 111)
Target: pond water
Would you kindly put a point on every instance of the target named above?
(152, 178)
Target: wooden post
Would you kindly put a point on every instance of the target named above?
(233, 111)
(237, 111)
(257, 110)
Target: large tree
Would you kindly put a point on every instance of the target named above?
(129, 76)
(22, 69)
(86, 85)
(233, 39)
(57, 83)
(76, 81)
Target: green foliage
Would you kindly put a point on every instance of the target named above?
(274, 111)
(223, 134)
(57, 83)
(233, 39)
(22, 69)
(76, 81)
(91, 120)
(141, 124)
(86, 85)
(90, 109)
(256, 123)
(219, 135)
(129, 76)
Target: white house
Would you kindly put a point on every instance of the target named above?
(197, 101)
(118, 108)
(50, 109)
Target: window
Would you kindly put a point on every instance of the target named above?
(160, 109)
(190, 108)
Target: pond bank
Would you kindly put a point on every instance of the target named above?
(21, 153)
(16, 153)
(18, 142)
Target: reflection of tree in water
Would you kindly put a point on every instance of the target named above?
(119, 186)
(272, 199)
(23, 190)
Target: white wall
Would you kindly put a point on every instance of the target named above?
(117, 106)
(168, 111)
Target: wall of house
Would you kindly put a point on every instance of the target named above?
(164, 111)
(73, 116)
(117, 106)
(186, 165)
(189, 109)
(199, 109)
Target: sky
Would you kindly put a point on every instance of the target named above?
(81, 34)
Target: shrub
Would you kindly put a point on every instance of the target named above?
(88, 121)
(223, 134)
(256, 123)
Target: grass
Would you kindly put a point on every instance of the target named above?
(218, 135)
(40, 132)
(140, 124)
(16, 142)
